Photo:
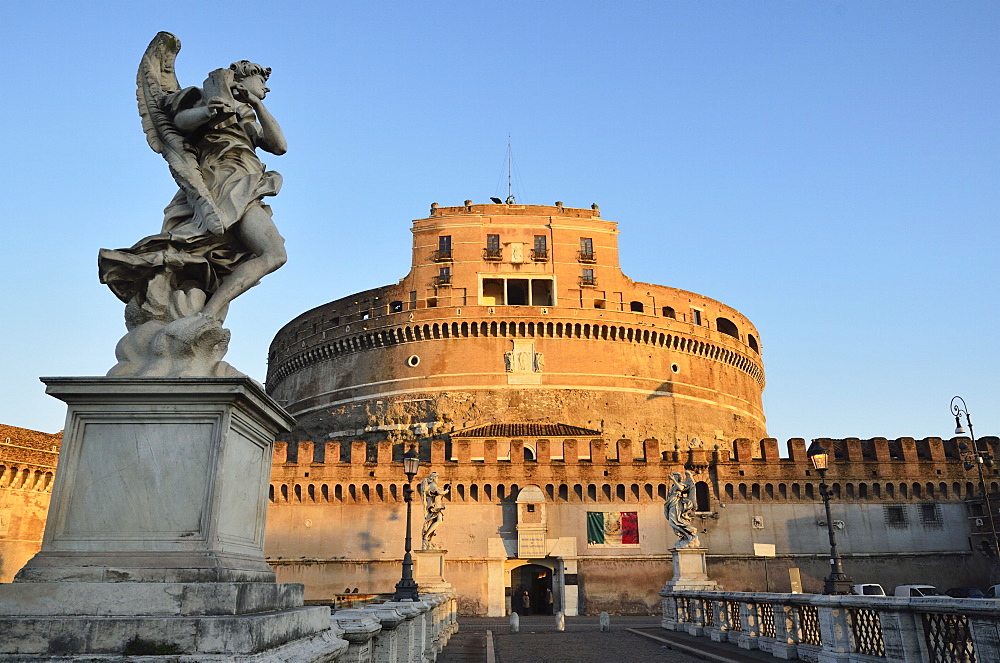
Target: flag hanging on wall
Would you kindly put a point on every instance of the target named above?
(612, 528)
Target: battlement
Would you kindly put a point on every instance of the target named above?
(565, 451)
(878, 469)
(516, 210)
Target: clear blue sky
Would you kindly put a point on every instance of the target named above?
(828, 168)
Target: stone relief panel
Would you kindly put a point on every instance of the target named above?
(523, 363)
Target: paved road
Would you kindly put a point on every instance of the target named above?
(583, 642)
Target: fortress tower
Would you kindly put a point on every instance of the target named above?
(519, 315)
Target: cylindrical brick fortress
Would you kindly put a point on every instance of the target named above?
(520, 314)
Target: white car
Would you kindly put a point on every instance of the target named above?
(869, 589)
(914, 591)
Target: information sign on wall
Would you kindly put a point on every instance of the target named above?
(531, 544)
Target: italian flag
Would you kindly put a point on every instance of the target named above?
(612, 528)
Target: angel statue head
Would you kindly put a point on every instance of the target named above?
(250, 77)
(245, 68)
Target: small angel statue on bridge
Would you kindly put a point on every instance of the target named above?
(217, 238)
(679, 510)
(432, 497)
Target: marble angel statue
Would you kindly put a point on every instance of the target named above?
(679, 510)
(432, 497)
(217, 239)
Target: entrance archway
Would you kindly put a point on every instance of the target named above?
(534, 580)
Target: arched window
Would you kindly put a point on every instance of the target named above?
(669, 312)
(728, 327)
(635, 307)
(701, 497)
(529, 453)
(752, 342)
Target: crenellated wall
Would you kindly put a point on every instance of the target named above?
(336, 513)
(27, 468)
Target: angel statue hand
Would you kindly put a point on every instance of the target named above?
(217, 105)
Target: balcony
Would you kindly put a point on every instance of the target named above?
(442, 255)
(540, 255)
(586, 256)
(442, 281)
(494, 255)
(588, 281)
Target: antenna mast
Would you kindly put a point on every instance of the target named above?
(510, 191)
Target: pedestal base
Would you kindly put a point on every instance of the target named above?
(429, 572)
(155, 534)
(71, 618)
(690, 571)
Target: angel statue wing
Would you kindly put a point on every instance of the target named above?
(155, 80)
(422, 491)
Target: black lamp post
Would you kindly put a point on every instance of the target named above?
(975, 458)
(406, 588)
(837, 582)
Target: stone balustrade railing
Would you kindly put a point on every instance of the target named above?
(841, 629)
(397, 631)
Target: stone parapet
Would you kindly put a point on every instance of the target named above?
(839, 629)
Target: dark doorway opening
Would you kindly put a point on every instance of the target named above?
(535, 582)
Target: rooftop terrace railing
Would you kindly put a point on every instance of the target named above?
(869, 629)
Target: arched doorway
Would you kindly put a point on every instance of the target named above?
(534, 580)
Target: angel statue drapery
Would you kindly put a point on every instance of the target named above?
(679, 510)
(432, 497)
(217, 238)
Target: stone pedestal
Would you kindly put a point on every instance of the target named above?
(160, 480)
(155, 534)
(429, 572)
(690, 571)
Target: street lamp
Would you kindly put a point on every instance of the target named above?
(975, 458)
(837, 582)
(406, 588)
